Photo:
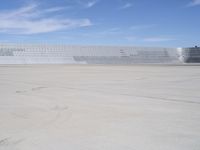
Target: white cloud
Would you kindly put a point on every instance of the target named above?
(126, 6)
(32, 20)
(194, 3)
(85, 3)
(27, 11)
(55, 9)
(90, 4)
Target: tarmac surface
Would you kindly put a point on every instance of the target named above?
(96, 107)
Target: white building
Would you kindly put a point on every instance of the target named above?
(66, 54)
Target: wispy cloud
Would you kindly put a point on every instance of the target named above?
(85, 3)
(194, 3)
(90, 4)
(55, 9)
(23, 12)
(32, 20)
(126, 6)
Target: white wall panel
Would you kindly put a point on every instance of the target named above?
(63, 54)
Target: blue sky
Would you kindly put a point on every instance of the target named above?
(171, 23)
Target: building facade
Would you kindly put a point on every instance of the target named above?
(66, 54)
